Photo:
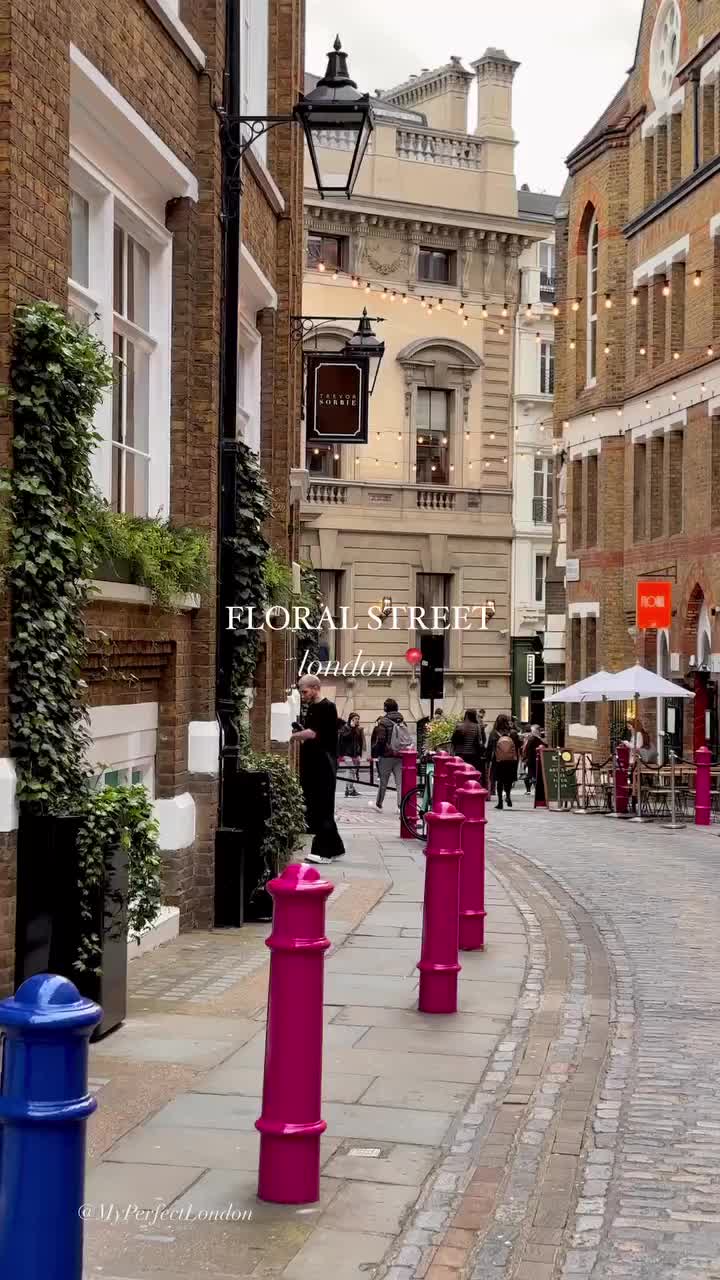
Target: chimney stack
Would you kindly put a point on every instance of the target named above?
(495, 73)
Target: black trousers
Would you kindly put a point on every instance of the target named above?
(318, 774)
(504, 773)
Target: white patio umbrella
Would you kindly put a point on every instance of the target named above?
(591, 689)
(638, 682)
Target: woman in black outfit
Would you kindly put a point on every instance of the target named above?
(503, 754)
(468, 741)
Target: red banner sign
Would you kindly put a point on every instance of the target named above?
(654, 605)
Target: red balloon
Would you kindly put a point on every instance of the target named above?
(413, 656)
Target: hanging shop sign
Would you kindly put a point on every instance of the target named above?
(337, 393)
(654, 605)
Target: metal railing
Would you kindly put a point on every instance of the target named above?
(542, 510)
(547, 287)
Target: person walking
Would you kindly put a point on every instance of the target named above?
(468, 740)
(318, 735)
(503, 753)
(534, 740)
(351, 743)
(389, 737)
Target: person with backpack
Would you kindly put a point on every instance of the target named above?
(533, 741)
(389, 737)
(351, 743)
(503, 752)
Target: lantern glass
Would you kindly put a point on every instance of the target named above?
(337, 121)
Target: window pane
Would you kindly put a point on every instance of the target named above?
(323, 460)
(423, 409)
(138, 284)
(325, 250)
(136, 484)
(119, 271)
(138, 395)
(434, 264)
(79, 239)
(116, 495)
(118, 397)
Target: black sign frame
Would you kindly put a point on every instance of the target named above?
(357, 415)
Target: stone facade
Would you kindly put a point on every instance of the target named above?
(432, 241)
(154, 77)
(637, 431)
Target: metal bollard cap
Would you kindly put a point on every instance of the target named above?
(48, 1002)
(298, 877)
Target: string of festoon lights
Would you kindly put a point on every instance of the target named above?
(471, 312)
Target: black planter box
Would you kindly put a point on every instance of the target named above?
(48, 924)
(239, 868)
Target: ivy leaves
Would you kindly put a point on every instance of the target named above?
(248, 551)
(59, 374)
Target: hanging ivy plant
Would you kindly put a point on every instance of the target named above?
(249, 549)
(170, 560)
(118, 817)
(286, 825)
(58, 377)
(308, 639)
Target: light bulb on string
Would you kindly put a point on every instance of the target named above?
(529, 308)
(438, 304)
(573, 344)
(316, 452)
(395, 464)
(635, 298)
(697, 279)
(355, 282)
(537, 337)
(505, 311)
(492, 435)
(336, 457)
(647, 404)
(467, 435)
(703, 388)
(465, 322)
(405, 299)
(367, 287)
(452, 466)
(501, 331)
(384, 292)
(556, 310)
(421, 439)
(461, 309)
(619, 413)
(422, 302)
(674, 395)
(321, 266)
(593, 417)
(711, 351)
(676, 355)
(666, 288)
(484, 312)
(393, 296)
(607, 348)
(643, 351)
(608, 301)
(399, 435)
(433, 467)
(444, 439)
(576, 304)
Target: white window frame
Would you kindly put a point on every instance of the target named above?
(539, 555)
(109, 205)
(249, 385)
(546, 363)
(593, 264)
(146, 765)
(254, 19)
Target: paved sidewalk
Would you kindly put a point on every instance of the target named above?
(179, 1090)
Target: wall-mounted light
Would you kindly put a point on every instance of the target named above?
(385, 607)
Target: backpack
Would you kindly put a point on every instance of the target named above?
(399, 740)
(505, 749)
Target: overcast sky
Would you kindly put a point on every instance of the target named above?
(574, 56)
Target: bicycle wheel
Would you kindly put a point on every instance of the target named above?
(412, 815)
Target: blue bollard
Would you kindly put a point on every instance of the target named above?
(44, 1106)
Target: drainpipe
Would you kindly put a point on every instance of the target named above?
(695, 77)
(227, 452)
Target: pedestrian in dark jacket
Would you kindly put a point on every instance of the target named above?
(468, 740)
(351, 742)
(503, 754)
(534, 740)
(381, 750)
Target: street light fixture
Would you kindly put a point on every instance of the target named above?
(365, 343)
(335, 115)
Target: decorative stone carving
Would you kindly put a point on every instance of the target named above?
(512, 272)
(491, 248)
(467, 261)
(360, 250)
(391, 268)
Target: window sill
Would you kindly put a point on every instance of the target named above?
(265, 180)
(128, 593)
(178, 31)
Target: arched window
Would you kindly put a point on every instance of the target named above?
(592, 299)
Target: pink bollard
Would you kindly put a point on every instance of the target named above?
(471, 799)
(703, 758)
(461, 774)
(442, 762)
(409, 785)
(290, 1125)
(439, 965)
(622, 777)
(455, 770)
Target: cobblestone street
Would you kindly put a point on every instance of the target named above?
(649, 1201)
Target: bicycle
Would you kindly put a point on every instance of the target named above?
(416, 804)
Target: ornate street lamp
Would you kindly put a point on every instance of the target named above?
(365, 343)
(335, 116)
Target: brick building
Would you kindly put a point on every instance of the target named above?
(111, 199)
(638, 379)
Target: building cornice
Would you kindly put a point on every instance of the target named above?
(613, 137)
(380, 217)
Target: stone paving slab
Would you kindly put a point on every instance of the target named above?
(391, 1110)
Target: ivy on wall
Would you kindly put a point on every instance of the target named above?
(58, 377)
(249, 549)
